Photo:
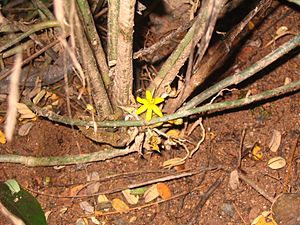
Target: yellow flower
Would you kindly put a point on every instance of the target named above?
(149, 104)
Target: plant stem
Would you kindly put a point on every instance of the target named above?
(94, 39)
(35, 28)
(107, 153)
(184, 113)
(241, 76)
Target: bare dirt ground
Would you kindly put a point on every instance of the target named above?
(220, 149)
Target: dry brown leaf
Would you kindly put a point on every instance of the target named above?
(234, 181)
(151, 194)
(102, 198)
(276, 163)
(87, 207)
(131, 199)
(39, 96)
(164, 191)
(25, 112)
(119, 205)
(275, 141)
(25, 128)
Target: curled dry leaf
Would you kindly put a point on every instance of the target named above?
(131, 199)
(151, 194)
(276, 163)
(234, 181)
(25, 128)
(164, 191)
(119, 205)
(275, 141)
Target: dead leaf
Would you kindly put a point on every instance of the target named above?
(102, 198)
(151, 194)
(234, 181)
(87, 207)
(2, 138)
(131, 199)
(276, 163)
(25, 128)
(25, 112)
(275, 141)
(164, 191)
(39, 96)
(95, 220)
(119, 205)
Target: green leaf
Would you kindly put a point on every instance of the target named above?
(21, 203)
(295, 1)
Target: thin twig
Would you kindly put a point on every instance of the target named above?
(290, 166)
(241, 149)
(256, 188)
(203, 199)
(119, 189)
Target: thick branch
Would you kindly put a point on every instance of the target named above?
(122, 85)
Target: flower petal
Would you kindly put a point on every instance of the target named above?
(157, 110)
(148, 95)
(158, 100)
(141, 100)
(149, 114)
(141, 109)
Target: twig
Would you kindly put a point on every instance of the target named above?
(203, 199)
(256, 188)
(290, 166)
(184, 113)
(241, 149)
(239, 214)
(27, 60)
(111, 191)
(201, 140)
(164, 41)
(171, 177)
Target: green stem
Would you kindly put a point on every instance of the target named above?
(35, 28)
(105, 154)
(184, 113)
(94, 40)
(241, 76)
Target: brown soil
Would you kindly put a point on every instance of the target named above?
(220, 148)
